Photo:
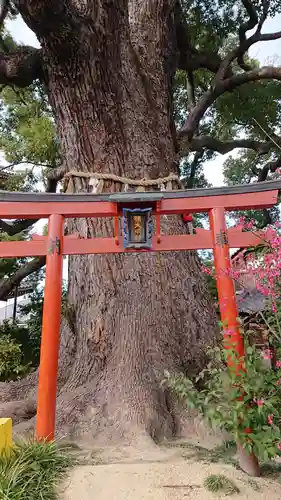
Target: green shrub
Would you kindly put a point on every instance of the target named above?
(11, 366)
(22, 335)
(20, 343)
(32, 471)
(247, 406)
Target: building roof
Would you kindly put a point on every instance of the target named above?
(21, 291)
(250, 302)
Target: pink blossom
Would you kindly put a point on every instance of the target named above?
(260, 402)
(279, 446)
(267, 354)
(270, 419)
(241, 221)
(207, 270)
(250, 224)
(229, 331)
(245, 224)
(278, 364)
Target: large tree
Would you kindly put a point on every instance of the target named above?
(109, 71)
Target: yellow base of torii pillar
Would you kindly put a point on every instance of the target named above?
(5, 435)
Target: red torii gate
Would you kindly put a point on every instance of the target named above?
(57, 207)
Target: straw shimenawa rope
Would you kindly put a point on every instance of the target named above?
(97, 180)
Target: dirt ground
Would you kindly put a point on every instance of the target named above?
(175, 471)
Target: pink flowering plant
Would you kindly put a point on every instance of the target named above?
(264, 266)
(245, 399)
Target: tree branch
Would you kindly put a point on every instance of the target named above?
(248, 25)
(237, 53)
(262, 175)
(43, 16)
(271, 166)
(263, 73)
(58, 20)
(195, 59)
(27, 162)
(225, 81)
(4, 8)
(222, 86)
(54, 176)
(270, 36)
(267, 217)
(16, 227)
(251, 22)
(190, 89)
(223, 147)
(265, 9)
(191, 58)
(193, 167)
(245, 43)
(21, 225)
(8, 284)
(20, 67)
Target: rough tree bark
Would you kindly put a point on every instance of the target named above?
(108, 68)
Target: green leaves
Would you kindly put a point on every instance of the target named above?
(33, 470)
(236, 404)
(11, 366)
(248, 104)
(250, 111)
(27, 131)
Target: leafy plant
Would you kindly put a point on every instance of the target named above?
(20, 343)
(11, 365)
(33, 310)
(219, 482)
(247, 406)
(210, 276)
(23, 336)
(32, 471)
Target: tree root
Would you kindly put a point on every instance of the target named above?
(86, 414)
(19, 389)
(18, 410)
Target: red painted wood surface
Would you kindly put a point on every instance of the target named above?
(73, 245)
(32, 210)
(226, 290)
(47, 386)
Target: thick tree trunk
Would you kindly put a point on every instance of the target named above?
(133, 316)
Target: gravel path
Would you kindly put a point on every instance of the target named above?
(177, 480)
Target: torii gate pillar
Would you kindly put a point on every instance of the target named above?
(47, 387)
(229, 316)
